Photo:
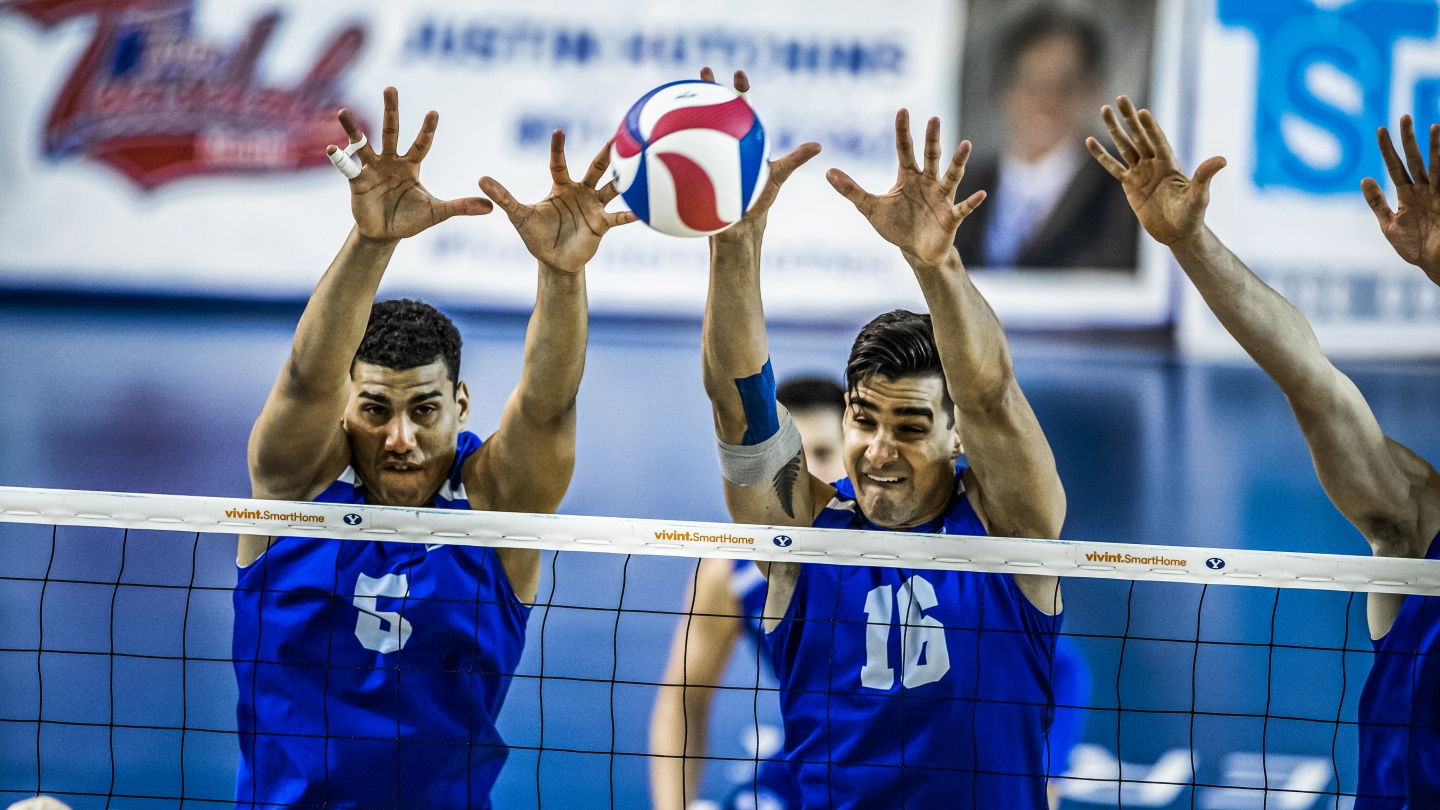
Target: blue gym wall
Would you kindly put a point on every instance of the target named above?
(160, 398)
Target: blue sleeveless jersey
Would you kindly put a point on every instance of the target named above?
(371, 673)
(773, 788)
(1400, 711)
(914, 688)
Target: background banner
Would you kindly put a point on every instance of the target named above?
(1291, 92)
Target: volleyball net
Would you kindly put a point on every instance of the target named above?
(117, 671)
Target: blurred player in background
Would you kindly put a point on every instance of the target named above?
(1388, 492)
(726, 598)
(875, 717)
(369, 408)
(1049, 205)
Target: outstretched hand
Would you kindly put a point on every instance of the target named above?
(564, 229)
(386, 198)
(753, 223)
(1413, 230)
(1168, 204)
(919, 215)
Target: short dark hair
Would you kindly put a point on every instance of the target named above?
(894, 345)
(404, 334)
(1042, 23)
(810, 394)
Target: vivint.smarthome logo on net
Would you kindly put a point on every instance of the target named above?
(1125, 558)
(284, 517)
(700, 537)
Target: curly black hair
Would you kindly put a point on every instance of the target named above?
(404, 334)
(894, 345)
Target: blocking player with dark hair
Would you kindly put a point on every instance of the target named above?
(874, 716)
(370, 408)
(1389, 493)
(724, 603)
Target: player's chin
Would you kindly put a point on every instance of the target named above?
(405, 487)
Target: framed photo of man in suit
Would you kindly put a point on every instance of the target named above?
(1055, 230)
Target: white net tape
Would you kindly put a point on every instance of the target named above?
(1069, 558)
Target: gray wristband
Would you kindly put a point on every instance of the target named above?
(751, 464)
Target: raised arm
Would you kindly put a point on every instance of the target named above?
(1414, 229)
(699, 653)
(526, 465)
(297, 445)
(736, 360)
(1389, 493)
(1016, 489)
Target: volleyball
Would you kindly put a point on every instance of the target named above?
(690, 158)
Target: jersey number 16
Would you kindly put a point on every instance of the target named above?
(920, 636)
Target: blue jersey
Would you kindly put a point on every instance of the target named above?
(371, 673)
(773, 788)
(1070, 683)
(913, 688)
(1400, 710)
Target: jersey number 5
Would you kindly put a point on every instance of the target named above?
(920, 636)
(381, 630)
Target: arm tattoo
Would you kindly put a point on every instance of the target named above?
(785, 479)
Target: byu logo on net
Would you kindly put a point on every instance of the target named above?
(782, 540)
(353, 519)
(1215, 563)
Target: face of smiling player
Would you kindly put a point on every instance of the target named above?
(900, 449)
(402, 427)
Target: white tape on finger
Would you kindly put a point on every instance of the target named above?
(344, 159)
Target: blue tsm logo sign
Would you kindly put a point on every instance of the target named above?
(1324, 86)
(352, 519)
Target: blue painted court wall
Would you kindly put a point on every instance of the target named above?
(161, 399)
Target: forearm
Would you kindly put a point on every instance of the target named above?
(971, 340)
(333, 324)
(554, 347)
(1269, 328)
(678, 734)
(734, 342)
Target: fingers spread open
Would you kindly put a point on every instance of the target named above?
(465, 207)
(1137, 133)
(849, 189)
(932, 147)
(352, 131)
(500, 195)
(706, 74)
(559, 173)
(1123, 144)
(1115, 167)
(1413, 159)
(390, 126)
(596, 172)
(608, 192)
(1392, 160)
(968, 206)
(904, 147)
(421, 147)
(1375, 197)
(956, 172)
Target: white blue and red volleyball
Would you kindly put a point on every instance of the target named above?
(690, 158)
